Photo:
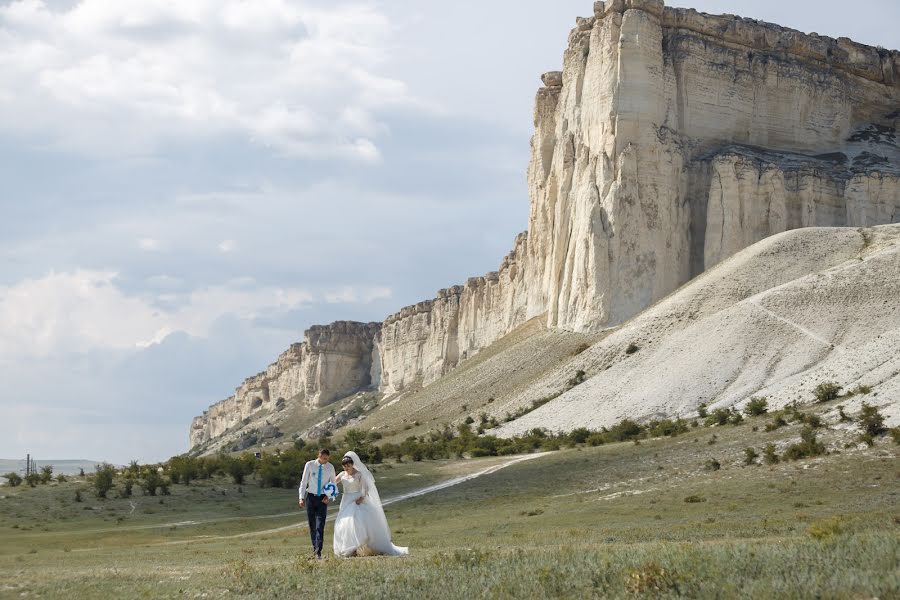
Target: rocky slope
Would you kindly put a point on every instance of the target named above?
(792, 311)
(670, 140)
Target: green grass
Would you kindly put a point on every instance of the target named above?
(604, 522)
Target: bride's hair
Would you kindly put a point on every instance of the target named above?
(347, 461)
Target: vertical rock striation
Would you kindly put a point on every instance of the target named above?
(332, 362)
(670, 140)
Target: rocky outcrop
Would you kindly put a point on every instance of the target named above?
(332, 362)
(670, 140)
(663, 117)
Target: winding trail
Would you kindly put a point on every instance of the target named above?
(414, 494)
(407, 496)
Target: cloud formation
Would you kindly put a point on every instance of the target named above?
(86, 311)
(111, 77)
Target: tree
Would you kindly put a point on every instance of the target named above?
(13, 479)
(151, 481)
(103, 478)
(46, 473)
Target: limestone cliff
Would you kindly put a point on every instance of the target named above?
(670, 140)
(333, 361)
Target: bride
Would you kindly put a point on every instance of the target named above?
(361, 529)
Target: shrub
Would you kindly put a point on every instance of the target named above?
(652, 580)
(46, 474)
(827, 391)
(713, 465)
(701, 410)
(826, 528)
(861, 390)
(720, 416)
(580, 348)
(844, 417)
(577, 379)
(814, 421)
(632, 348)
(776, 423)
(77, 495)
(13, 479)
(895, 434)
(808, 446)
(469, 420)
(756, 406)
(666, 427)
(693, 499)
(151, 481)
(32, 479)
(770, 456)
(750, 456)
(579, 435)
(60, 478)
(870, 421)
(103, 479)
(735, 417)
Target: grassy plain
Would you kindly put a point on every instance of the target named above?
(620, 520)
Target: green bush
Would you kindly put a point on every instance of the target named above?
(712, 465)
(870, 421)
(103, 479)
(861, 390)
(719, 416)
(844, 417)
(770, 456)
(702, 411)
(825, 392)
(777, 422)
(808, 446)
(577, 379)
(756, 406)
(750, 456)
(694, 499)
(632, 348)
(735, 417)
(895, 434)
(46, 474)
(666, 427)
(13, 479)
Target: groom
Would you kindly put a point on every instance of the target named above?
(316, 474)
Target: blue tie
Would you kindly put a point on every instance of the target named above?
(319, 485)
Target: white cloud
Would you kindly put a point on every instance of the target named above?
(86, 310)
(353, 295)
(107, 76)
(148, 244)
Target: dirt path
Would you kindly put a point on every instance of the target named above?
(414, 494)
(295, 513)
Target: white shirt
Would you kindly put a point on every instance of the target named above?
(310, 484)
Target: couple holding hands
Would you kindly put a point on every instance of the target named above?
(361, 529)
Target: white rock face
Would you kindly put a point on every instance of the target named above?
(670, 140)
(795, 310)
(334, 361)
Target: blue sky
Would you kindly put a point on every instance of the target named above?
(187, 186)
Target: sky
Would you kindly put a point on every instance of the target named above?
(187, 186)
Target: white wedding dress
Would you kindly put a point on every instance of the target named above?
(362, 529)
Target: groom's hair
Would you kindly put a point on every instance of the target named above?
(324, 451)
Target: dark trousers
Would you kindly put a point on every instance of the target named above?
(316, 511)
